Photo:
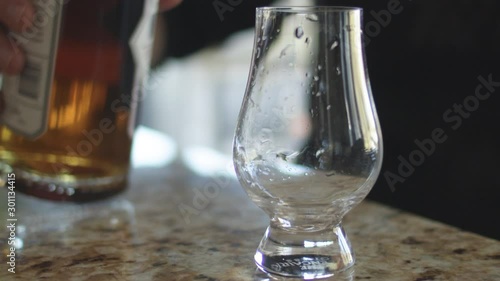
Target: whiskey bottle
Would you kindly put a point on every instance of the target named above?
(69, 116)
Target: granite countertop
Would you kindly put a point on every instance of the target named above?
(160, 230)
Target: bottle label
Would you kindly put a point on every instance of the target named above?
(27, 96)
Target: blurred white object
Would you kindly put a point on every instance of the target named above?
(196, 101)
(152, 148)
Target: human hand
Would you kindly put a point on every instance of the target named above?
(15, 15)
(167, 4)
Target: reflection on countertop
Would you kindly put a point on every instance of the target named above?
(174, 225)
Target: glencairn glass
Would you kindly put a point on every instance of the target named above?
(308, 145)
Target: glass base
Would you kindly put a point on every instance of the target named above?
(76, 190)
(305, 254)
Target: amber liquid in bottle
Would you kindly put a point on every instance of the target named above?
(84, 154)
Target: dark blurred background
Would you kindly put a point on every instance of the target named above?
(422, 61)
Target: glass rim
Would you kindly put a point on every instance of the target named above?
(310, 8)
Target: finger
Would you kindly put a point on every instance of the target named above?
(16, 14)
(168, 4)
(11, 57)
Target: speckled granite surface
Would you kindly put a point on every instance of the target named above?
(158, 230)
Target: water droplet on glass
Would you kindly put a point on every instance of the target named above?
(338, 71)
(320, 67)
(328, 107)
(308, 40)
(290, 64)
(318, 94)
(286, 157)
(312, 17)
(271, 180)
(278, 30)
(257, 158)
(299, 32)
(262, 142)
(258, 39)
(334, 44)
(307, 74)
(264, 38)
(302, 84)
(320, 152)
(258, 52)
(350, 27)
(306, 174)
(285, 50)
(282, 156)
(316, 78)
